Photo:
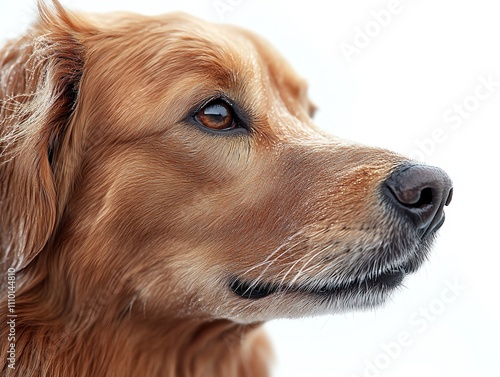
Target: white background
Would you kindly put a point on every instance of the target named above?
(427, 58)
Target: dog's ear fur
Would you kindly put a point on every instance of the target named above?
(39, 88)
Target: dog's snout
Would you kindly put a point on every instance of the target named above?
(420, 192)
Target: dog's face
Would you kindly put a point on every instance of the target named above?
(200, 183)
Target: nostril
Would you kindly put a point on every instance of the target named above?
(414, 198)
(424, 199)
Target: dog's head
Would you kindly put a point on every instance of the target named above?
(174, 164)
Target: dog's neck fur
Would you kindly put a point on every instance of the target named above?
(134, 346)
(89, 331)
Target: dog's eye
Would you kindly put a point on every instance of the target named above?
(216, 115)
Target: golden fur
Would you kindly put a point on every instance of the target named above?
(124, 222)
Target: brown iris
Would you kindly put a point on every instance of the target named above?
(216, 115)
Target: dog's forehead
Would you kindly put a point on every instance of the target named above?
(236, 49)
(172, 63)
(251, 69)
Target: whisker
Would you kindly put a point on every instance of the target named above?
(321, 251)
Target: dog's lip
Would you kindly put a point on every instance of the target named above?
(385, 280)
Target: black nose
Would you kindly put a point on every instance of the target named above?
(420, 192)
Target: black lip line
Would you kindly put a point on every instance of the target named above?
(252, 291)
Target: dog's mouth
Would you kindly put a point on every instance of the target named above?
(365, 287)
(380, 282)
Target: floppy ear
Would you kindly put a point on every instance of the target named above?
(40, 75)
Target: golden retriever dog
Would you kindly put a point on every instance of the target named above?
(164, 191)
